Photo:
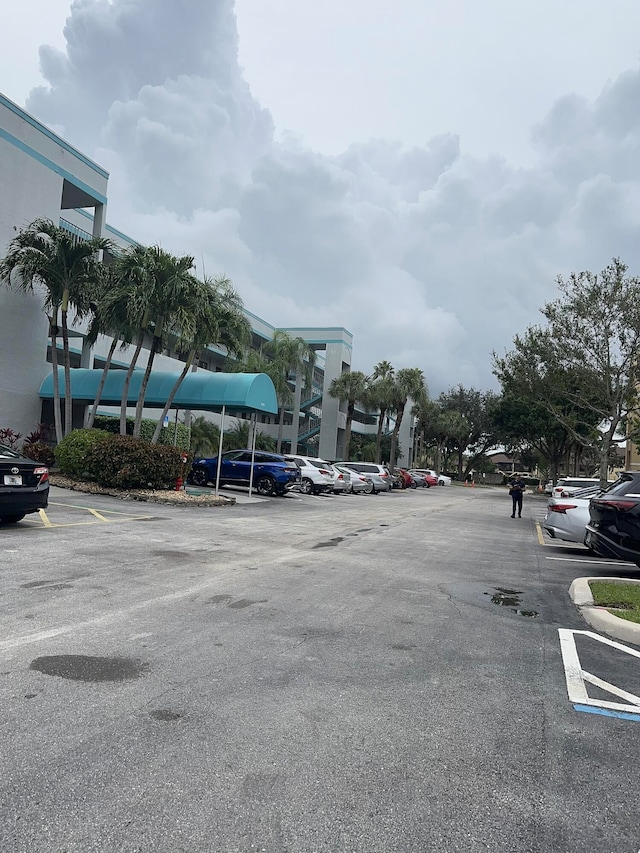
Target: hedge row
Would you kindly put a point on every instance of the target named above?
(119, 461)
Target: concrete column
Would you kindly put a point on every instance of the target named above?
(328, 448)
(295, 426)
(99, 220)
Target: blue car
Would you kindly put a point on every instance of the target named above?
(271, 474)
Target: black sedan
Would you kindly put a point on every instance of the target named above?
(614, 520)
(24, 485)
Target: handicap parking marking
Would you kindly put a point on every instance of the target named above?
(578, 678)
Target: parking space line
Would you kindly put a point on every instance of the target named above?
(539, 530)
(597, 560)
(577, 678)
(44, 518)
(99, 516)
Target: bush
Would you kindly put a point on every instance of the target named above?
(124, 462)
(111, 424)
(39, 451)
(71, 453)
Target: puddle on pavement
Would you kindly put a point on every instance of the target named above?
(510, 598)
(246, 602)
(89, 667)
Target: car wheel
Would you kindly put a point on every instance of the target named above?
(306, 486)
(441, 482)
(199, 477)
(368, 489)
(265, 485)
(12, 519)
(413, 485)
(427, 485)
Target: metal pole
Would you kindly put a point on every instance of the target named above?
(253, 449)
(220, 451)
(175, 431)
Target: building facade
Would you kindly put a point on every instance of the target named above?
(43, 176)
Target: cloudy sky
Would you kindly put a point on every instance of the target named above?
(418, 171)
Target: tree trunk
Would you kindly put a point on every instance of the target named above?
(394, 436)
(280, 420)
(137, 424)
(170, 398)
(127, 383)
(383, 412)
(66, 358)
(57, 420)
(103, 379)
(347, 430)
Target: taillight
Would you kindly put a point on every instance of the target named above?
(562, 507)
(621, 505)
(325, 472)
(43, 473)
(340, 476)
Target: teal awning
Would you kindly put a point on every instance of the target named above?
(203, 390)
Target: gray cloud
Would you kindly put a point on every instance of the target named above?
(430, 256)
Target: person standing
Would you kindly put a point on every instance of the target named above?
(517, 488)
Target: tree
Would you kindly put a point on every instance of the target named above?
(109, 317)
(408, 382)
(279, 358)
(239, 436)
(380, 396)
(472, 423)
(210, 313)
(590, 347)
(170, 283)
(352, 387)
(205, 437)
(43, 254)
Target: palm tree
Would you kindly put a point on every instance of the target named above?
(278, 358)
(408, 382)
(47, 255)
(239, 436)
(205, 437)
(352, 387)
(109, 317)
(380, 396)
(211, 313)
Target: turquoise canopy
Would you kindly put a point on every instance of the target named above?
(204, 391)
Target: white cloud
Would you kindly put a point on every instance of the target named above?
(430, 256)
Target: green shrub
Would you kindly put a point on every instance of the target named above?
(124, 462)
(71, 453)
(111, 424)
(39, 451)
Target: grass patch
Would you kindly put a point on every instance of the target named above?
(620, 599)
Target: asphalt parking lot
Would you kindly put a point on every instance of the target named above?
(368, 673)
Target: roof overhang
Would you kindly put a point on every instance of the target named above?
(203, 390)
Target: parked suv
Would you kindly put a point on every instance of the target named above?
(380, 475)
(614, 520)
(271, 474)
(316, 475)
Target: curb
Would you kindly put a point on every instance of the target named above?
(599, 617)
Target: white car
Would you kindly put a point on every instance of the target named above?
(568, 515)
(356, 483)
(317, 475)
(570, 485)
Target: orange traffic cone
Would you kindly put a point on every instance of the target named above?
(473, 484)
